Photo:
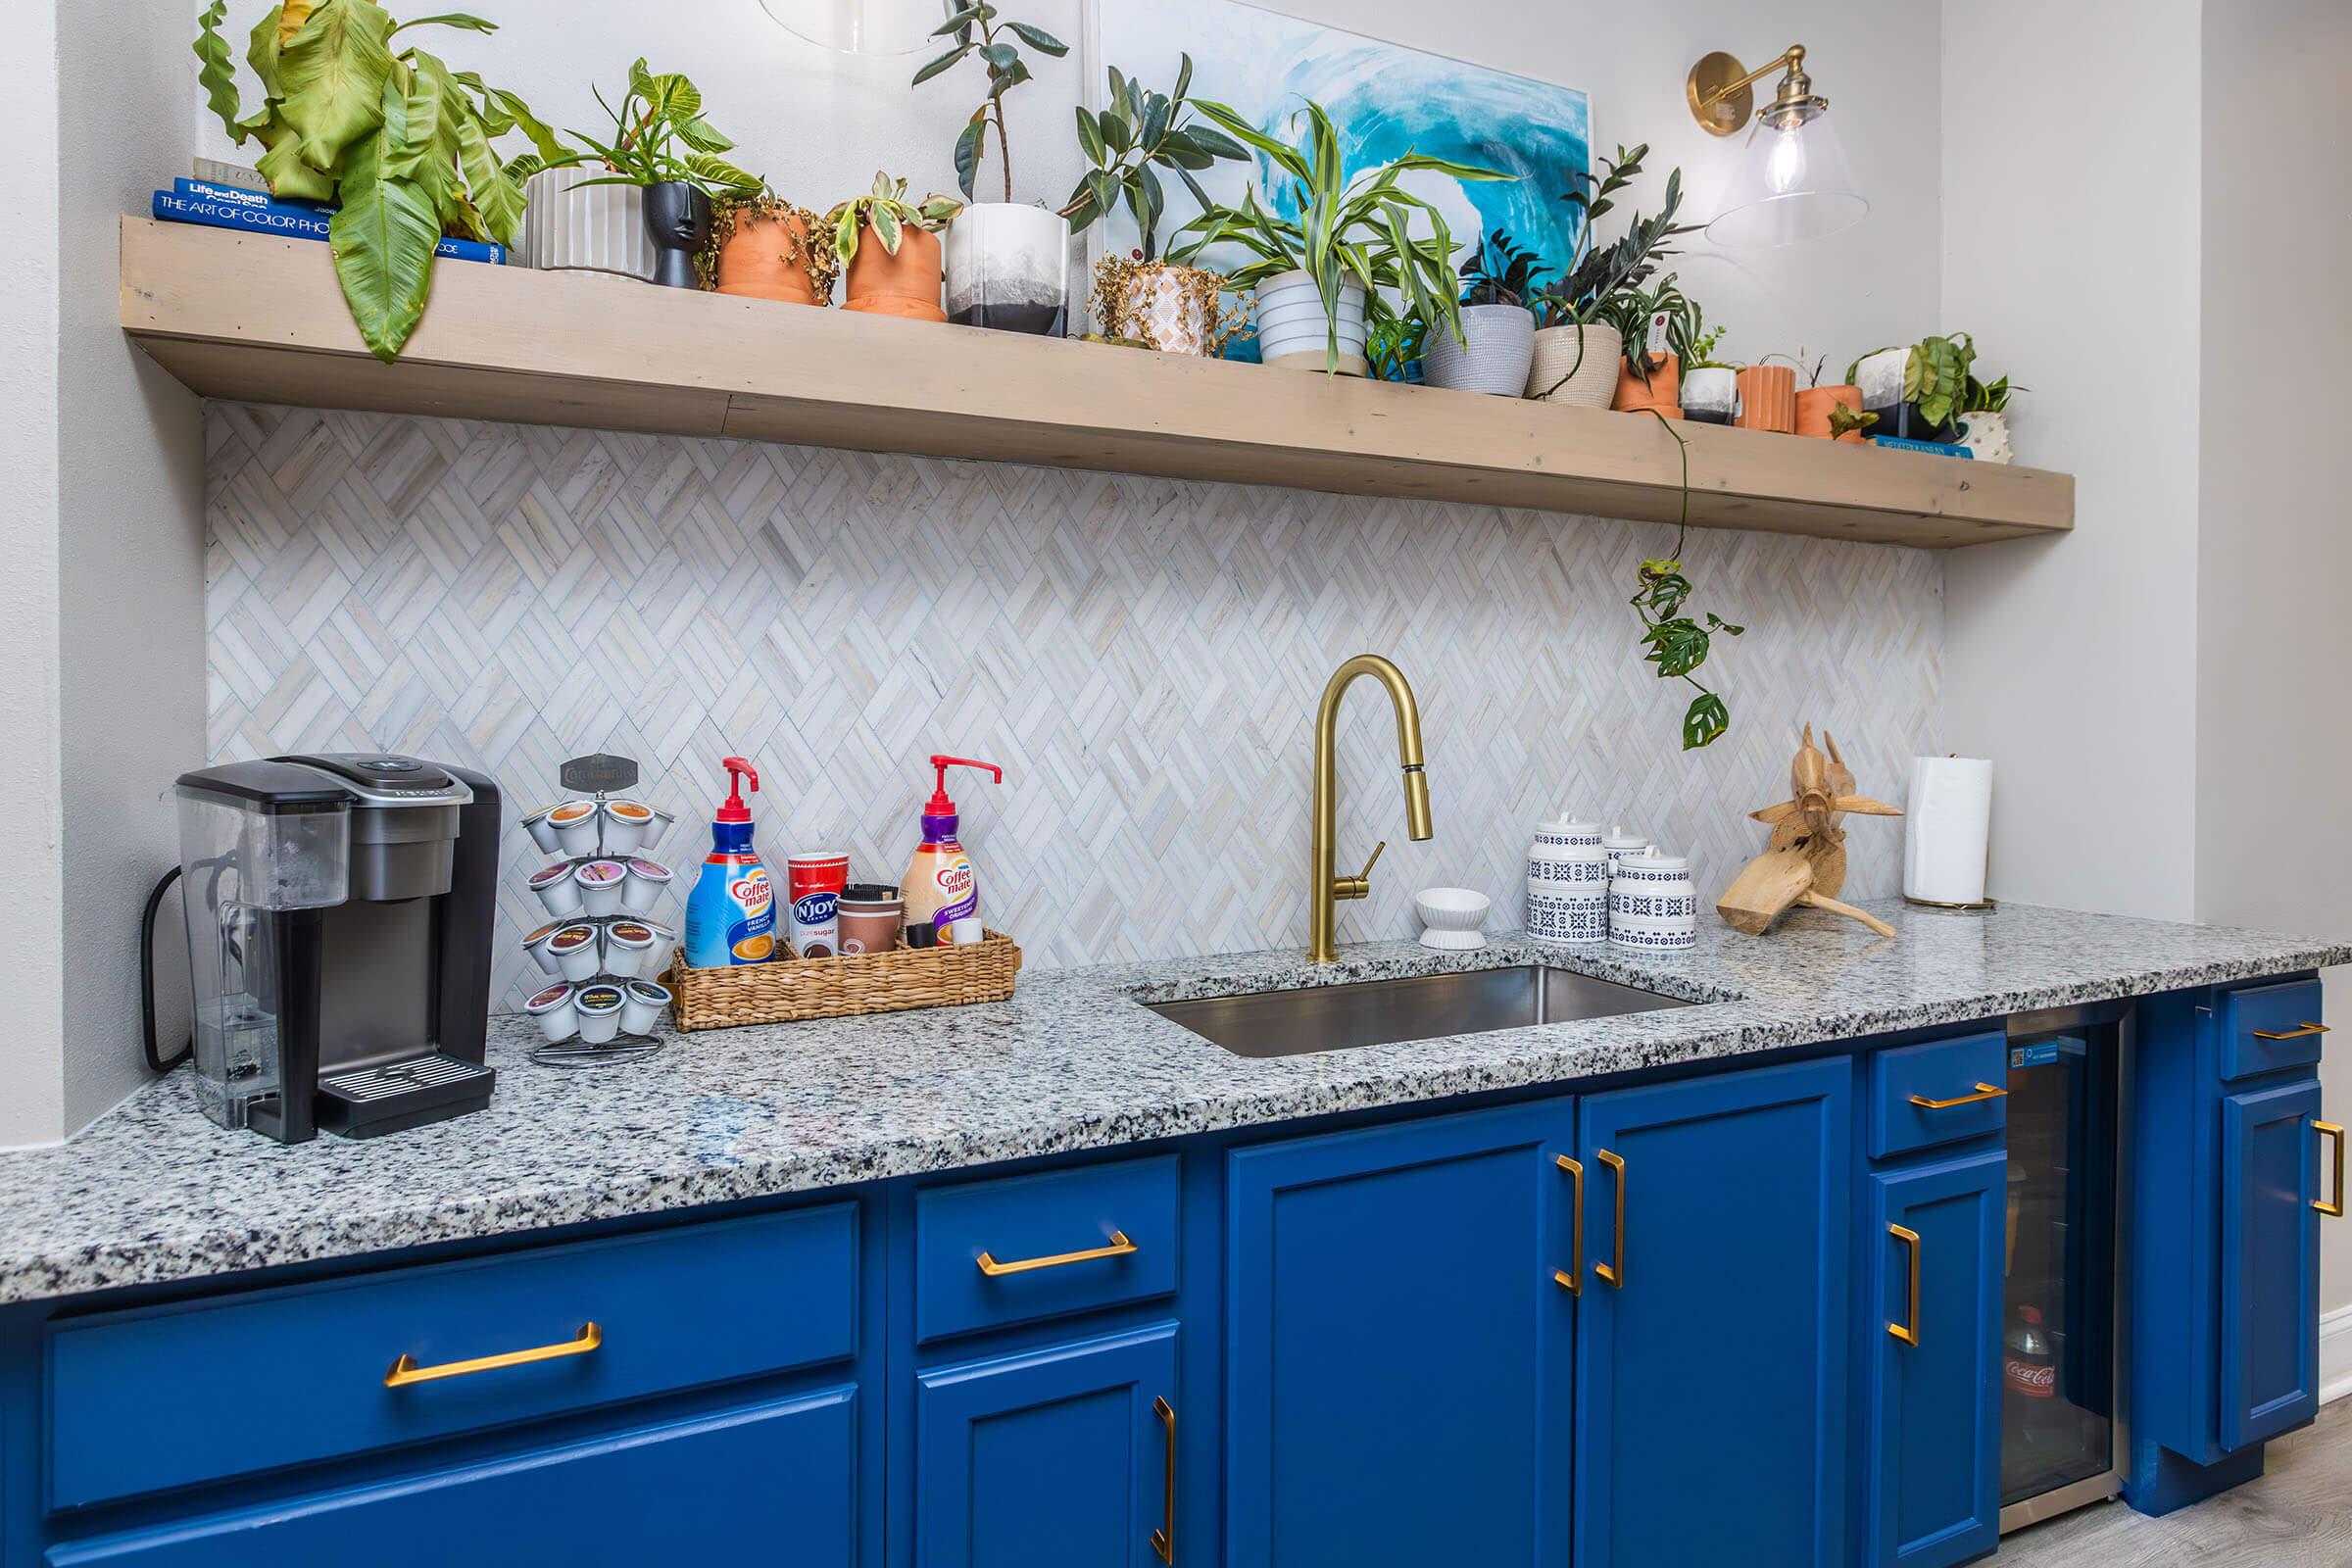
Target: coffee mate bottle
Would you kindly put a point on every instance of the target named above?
(941, 886)
(732, 913)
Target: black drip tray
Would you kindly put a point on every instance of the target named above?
(401, 1095)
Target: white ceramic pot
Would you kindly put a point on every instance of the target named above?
(1710, 394)
(1653, 904)
(1879, 375)
(1594, 381)
(1496, 352)
(574, 227)
(1986, 435)
(1567, 883)
(1293, 332)
(1009, 267)
(1450, 917)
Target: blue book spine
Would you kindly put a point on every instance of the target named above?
(1935, 449)
(294, 222)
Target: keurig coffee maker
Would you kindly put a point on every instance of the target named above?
(339, 934)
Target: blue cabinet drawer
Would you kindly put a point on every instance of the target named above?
(1022, 1248)
(771, 1483)
(2269, 1028)
(1938, 1093)
(159, 1398)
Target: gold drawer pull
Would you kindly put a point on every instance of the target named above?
(1164, 1539)
(406, 1371)
(1571, 1278)
(1615, 1275)
(1119, 1247)
(1908, 1330)
(2299, 1031)
(2329, 1130)
(1983, 1093)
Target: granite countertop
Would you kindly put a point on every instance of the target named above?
(155, 1192)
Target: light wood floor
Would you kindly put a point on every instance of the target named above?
(2298, 1515)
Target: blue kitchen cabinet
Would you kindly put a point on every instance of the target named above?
(1931, 1293)
(1064, 1454)
(2270, 1264)
(1399, 1344)
(1711, 1347)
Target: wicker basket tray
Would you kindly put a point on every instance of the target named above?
(794, 989)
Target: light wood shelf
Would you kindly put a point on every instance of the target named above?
(259, 319)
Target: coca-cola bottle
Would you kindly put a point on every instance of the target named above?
(2033, 1416)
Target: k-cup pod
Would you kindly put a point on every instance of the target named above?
(967, 931)
(551, 1010)
(575, 825)
(816, 881)
(541, 830)
(870, 913)
(922, 935)
(536, 945)
(656, 826)
(665, 946)
(641, 1007)
(578, 954)
(600, 886)
(625, 822)
(646, 883)
(558, 890)
(599, 1010)
(629, 949)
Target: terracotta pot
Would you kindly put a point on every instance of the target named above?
(1815, 405)
(764, 259)
(1664, 392)
(906, 284)
(1767, 398)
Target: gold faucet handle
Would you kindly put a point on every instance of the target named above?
(1358, 886)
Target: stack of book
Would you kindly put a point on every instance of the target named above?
(234, 198)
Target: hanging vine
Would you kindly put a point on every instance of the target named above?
(1677, 644)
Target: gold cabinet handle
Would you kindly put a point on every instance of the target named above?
(1572, 1278)
(1983, 1093)
(1164, 1539)
(1907, 1331)
(406, 1371)
(2299, 1031)
(2329, 1130)
(1119, 1247)
(1615, 1273)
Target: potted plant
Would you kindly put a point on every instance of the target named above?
(1768, 394)
(1008, 265)
(1398, 349)
(1577, 342)
(662, 146)
(1918, 391)
(1815, 402)
(1649, 381)
(1710, 390)
(399, 185)
(764, 247)
(1143, 297)
(889, 248)
(1847, 422)
(1497, 345)
(1985, 419)
(1320, 278)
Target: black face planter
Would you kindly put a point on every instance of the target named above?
(677, 220)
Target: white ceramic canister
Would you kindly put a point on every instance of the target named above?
(1617, 844)
(600, 886)
(641, 1007)
(551, 1010)
(557, 888)
(1567, 883)
(598, 1008)
(1653, 904)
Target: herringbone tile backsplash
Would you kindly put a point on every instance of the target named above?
(1143, 655)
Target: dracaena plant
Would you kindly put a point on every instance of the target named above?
(978, 29)
(1501, 272)
(890, 214)
(1350, 229)
(1137, 130)
(402, 143)
(660, 136)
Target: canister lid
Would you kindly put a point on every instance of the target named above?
(1654, 858)
(269, 787)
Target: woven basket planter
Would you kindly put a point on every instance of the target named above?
(793, 989)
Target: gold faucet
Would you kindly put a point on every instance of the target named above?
(1323, 914)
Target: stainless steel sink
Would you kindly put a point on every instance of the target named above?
(1374, 1012)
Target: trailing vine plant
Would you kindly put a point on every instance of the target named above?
(1677, 644)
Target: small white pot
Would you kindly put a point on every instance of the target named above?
(1711, 393)
(551, 1010)
(574, 227)
(1594, 381)
(1165, 314)
(1986, 435)
(1495, 354)
(1293, 332)
(1879, 375)
(1009, 266)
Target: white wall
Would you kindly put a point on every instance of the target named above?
(2274, 840)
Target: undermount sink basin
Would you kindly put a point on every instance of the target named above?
(1377, 1012)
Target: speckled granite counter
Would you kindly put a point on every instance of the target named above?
(155, 1192)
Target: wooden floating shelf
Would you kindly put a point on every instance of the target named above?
(259, 319)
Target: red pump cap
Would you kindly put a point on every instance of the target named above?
(939, 805)
(737, 769)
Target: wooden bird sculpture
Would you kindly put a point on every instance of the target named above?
(1804, 861)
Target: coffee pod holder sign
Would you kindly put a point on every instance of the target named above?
(574, 1033)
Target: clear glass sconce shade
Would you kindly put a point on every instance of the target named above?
(1791, 185)
(861, 27)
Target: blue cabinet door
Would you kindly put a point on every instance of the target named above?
(1933, 1271)
(1398, 1348)
(770, 1484)
(2269, 1263)
(1711, 1355)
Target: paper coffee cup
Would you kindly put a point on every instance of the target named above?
(576, 826)
(641, 1007)
(551, 1010)
(600, 887)
(625, 822)
(558, 890)
(599, 1010)
(578, 951)
(967, 931)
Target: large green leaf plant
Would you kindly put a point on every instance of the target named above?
(1350, 229)
(400, 140)
(978, 29)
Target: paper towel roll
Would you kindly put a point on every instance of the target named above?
(1947, 824)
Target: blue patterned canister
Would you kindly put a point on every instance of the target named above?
(1617, 844)
(1567, 883)
(1653, 904)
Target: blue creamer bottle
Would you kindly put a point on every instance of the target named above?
(732, 913)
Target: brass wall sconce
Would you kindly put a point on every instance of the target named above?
(1793, 183)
